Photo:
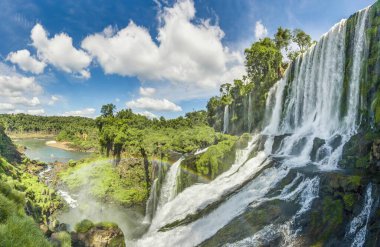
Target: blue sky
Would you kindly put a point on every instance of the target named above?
(159, 57)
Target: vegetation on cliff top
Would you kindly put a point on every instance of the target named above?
(265, 64)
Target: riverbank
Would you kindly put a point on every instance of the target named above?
(23, 135)
(60, 145)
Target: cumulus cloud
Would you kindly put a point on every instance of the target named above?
(87, 112)
(36, 112)
(148, 114)
(26, 62)
(16, 85)
(147, 91)
(189, 50)
(20, 100)
(53, 100)
(150, 104)
(260, 30)
(60, 52)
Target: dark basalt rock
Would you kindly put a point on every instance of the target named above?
(317, 143)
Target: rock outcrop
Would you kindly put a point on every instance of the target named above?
(103, 234)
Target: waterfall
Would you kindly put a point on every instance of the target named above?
(301, 107)
(249, 113)
(225, 119)
(358, 226)
(305, 193)
(68, 198)
(151, 203)
(161, 194)
(168, 190)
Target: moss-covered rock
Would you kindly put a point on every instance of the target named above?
(103, 234)
(208, 165)
(84, 226)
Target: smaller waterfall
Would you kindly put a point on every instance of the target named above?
(225, 119)
(67, 197)
(151, 203)
(249, 113)
(201, 151)
(358, 226)
(168, 190)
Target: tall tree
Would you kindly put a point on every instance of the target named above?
(263, 61)
(283, 38)
(108, 110)
(302, 39)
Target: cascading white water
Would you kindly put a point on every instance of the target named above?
(304, 193)
(226, 119)
(151, 203)
(249, 113)
(304, 106)
(68, 198)
(168, 189)
(358, 226)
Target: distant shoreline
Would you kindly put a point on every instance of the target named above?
(60, 145)
(25, 135)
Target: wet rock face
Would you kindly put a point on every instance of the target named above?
(375, 153)
(99, 235)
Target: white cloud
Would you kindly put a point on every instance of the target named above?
(17, 92)
(26, 62)
(87, 112)
(53, 100)
(148, 114)
(147, 91)
(6, 107)
(36, 111)
(260, 30)
(17, 85)
(117, 100)
(21, 100)
(150, 104)
(189, 51)
(60, 52)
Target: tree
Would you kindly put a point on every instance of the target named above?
(108, 110)
(282, 38)
(302, 39)
(263, 61)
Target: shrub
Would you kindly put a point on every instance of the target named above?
(21, 231)
(84, 226)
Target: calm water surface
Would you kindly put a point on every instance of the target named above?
(38, 150)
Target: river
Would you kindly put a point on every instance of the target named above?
(37, 149)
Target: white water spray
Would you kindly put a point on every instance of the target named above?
(226, 119)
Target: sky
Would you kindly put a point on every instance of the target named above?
(157, 57)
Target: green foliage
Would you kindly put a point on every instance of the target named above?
(106, 225)
(108, 110)
(7, 149)
(84, 226)
(8, 208)
(302, 39)
(21, 231)
(282, 38)
(106, 182)
(217, 159)
(263, 62)
(62, 239)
